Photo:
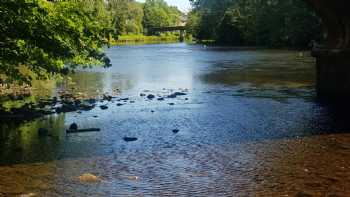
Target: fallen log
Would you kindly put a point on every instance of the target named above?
(83, 130)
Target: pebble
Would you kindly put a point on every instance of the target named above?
(89, 178)
(28, 195)
(133, 178)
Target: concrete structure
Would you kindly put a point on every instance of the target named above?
(333, 58)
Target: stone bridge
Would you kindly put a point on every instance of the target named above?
(333, 57)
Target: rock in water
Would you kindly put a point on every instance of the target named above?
(73, 127)
(176, 130)
(151, 96)
(107, 97)
(89, 178)
(133, 178)
(42, 132)
(130, 139)
(104, 107)
(174, 95)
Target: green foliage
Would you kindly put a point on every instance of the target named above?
(272, 23)
(157, 13)
(127, 16)
(55, 37)
(52, 37)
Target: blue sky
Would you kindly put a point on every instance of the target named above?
(183, 5)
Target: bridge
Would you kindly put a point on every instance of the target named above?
(181, 29)
(333, 58)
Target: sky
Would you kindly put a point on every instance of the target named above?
(183, 5)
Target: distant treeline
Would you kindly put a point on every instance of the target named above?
(270, 23)
(41, 38)
(131, 17)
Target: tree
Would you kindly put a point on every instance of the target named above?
(272, 23)
(52, 37)
(158, 14)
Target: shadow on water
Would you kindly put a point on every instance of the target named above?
(279, 76)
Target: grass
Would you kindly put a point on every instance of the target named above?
(132, 38)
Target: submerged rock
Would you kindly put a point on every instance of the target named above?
(119, 104)
(303, 194)
(67, 107)
(104, 107)
(176, 130)
(86, 106)
(133, 178)
(91, 101)
(42, 132)
(28, 195)
(129, 139)
(89, 178)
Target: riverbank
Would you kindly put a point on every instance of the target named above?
(129, 39)
(214, 43)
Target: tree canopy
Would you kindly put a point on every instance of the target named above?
(273, 23)
(52, 37)
(157, 13)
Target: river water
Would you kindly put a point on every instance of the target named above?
(249, 125)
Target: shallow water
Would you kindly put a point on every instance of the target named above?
(249, 125)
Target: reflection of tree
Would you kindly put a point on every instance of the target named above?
(21, 143)
(94, 84)
(265, 69)
(89, 83)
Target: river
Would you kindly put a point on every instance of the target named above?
(249, 124)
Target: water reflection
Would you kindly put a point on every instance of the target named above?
(23, 144)
(268, 74)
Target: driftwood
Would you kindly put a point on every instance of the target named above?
(83, 130)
